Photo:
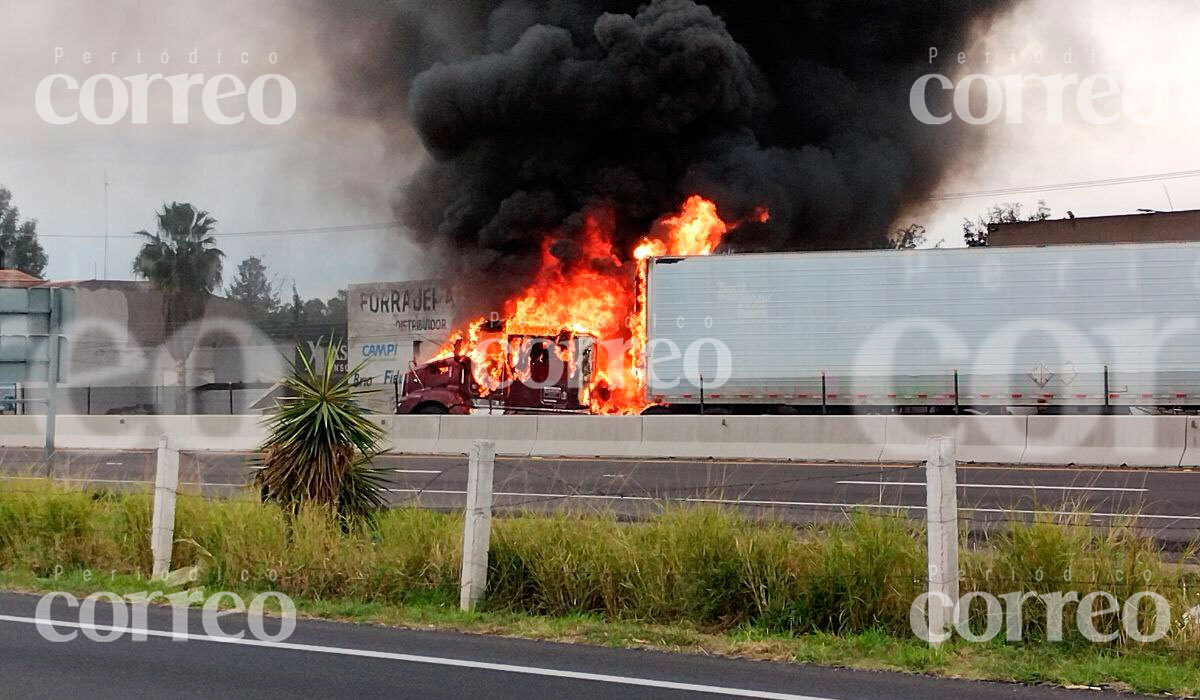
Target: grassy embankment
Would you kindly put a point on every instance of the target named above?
(690, 579)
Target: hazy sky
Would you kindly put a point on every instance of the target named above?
(323, 170)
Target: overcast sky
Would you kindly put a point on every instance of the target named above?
(324, 170)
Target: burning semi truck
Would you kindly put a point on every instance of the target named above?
(1078, 328)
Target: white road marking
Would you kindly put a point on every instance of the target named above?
(524, 494)
(89, 480)
(1000, 486)
(416, 471)
(80, 479)
(431, 660)
(809, 504)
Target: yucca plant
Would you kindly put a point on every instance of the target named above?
(320, 445)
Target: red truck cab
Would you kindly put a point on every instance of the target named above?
(440, 386)
(539, 374)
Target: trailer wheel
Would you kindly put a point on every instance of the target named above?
(434, 408)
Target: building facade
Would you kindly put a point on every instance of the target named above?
(1149, 227)
(116, 356)
(391, 325)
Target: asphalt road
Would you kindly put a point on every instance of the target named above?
(1167, 500)
(337, 660)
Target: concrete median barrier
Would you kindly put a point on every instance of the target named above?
(120, 432)
(22, 431)
(415, 434)
(1085, 440)
(514, 435)
(999, 439)
(1191, 449)
(845, 438)
(223, 433)
(588, 436)
(699, 437)
(1135, 441)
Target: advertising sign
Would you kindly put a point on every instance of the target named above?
(392, 324)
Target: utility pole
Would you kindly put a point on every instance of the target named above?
(106, 222)
(52, 332)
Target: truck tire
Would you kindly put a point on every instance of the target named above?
(431, 408)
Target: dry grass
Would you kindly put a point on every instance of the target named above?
(701, 566)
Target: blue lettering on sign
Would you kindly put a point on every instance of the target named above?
(379, 350)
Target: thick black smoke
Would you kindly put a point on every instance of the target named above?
(532, 112)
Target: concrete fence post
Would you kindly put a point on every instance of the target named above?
(941, 490)
(477, 528)
(162, 529)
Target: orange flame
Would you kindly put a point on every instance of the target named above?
(601, 295)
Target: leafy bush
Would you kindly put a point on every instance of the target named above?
(320, 444)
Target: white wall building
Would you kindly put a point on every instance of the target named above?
(393, 324)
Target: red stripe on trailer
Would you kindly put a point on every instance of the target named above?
(715, 396)
(1147, 396)
(1081, 396)
(1114, 396)
(687, 396)
(1047, 396)
(772, 396)
(802, 396)
(1180, 395)
(861, 396)
(743, 396)
(985, 396)
(832, 396)
(891, 396)
(922, 396)
(1016, 396)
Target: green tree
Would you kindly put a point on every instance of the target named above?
(314, 310)
(335, 308)
(19, 244)
(181, 260)
(975, 233)
(253, 290)
(906, 238)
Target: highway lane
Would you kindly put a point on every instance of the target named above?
(339, 660)
(1167, 499)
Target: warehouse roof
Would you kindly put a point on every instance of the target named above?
(16, 278)
(1148, 227)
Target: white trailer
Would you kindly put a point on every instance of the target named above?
(943, 329)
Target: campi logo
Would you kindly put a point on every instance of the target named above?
(379, 350)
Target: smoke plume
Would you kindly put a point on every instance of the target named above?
(532, 113)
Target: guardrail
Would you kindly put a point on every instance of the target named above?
(1135, 441)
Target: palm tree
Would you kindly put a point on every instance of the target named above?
(182, 261)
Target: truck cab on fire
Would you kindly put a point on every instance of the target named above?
(532, 374)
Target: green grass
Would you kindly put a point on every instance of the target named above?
(689, 579)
